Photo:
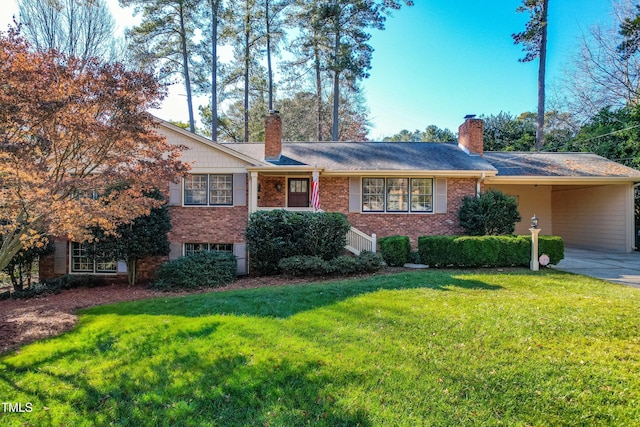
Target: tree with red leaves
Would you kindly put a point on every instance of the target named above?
(77, 147)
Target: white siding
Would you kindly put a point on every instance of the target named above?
(594, 217)
(532, 200)
(202, 157)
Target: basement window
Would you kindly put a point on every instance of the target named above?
(192, 248)
(81, 262)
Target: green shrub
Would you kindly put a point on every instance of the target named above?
(369, 262)
(486, 251)
(395, 250)
(199, 270)
(436, 251)
(308, 265)
(303, 265)
(274, 235)
(343, 265)
(491, 213)
(552, 246)
(56, 285)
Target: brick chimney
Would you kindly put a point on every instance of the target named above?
(470, 136)
(272, 135)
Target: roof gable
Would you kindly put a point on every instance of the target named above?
(202, 152)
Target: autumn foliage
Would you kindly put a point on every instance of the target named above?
(78, 149)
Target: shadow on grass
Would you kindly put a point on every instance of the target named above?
(286, 301)
(229, 391)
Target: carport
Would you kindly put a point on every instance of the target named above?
(584, 198)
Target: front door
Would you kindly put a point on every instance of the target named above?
(298, 193)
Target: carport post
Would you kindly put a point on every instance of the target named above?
(535, 264)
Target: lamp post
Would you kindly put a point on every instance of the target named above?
(535, 264)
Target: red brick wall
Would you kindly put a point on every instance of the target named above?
(269, 196)
(208, 224)
(334, 197)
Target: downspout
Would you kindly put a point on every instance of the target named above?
(478, 184)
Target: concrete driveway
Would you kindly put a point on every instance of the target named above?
(623, 268)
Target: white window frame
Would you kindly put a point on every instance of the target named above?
(224, 247)
(209, 189)
(95, 265)
(405, 198)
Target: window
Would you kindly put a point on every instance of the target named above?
(208, 190)
(191, 248)
(397, 195)
(81, 262)
(373, 194)
(421, 195)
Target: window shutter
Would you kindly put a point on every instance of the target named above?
(441, 195)
(175, 250)
(175, 193)
(354, 194)
(240, 189)
(240, 251)
(60, 258)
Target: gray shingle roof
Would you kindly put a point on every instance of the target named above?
(557, 165)
(371, 156)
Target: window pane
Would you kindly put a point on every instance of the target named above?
(373, 194)
(422, 195)
(397, 194)
(223, 247)
(80, 261)
(221, 189)
(192, 248)
(106, 266)
(195, 190)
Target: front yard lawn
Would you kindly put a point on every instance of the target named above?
(421, 348)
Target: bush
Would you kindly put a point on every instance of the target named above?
(486, 251)
(492, 213)
(396, 250)
(199, 270)
(306, 265)
(436, 251)
(274, 235)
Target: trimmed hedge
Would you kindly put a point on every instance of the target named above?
(486, 251)
(395, 250)
(205, 269)
(277, 234)
(305, 265)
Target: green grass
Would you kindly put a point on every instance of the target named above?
(424, 348)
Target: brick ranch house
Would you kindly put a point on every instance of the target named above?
(384, 189)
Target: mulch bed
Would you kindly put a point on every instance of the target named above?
(26, 320)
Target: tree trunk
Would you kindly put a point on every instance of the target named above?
(541, 77)
(185, 68)
(316, 53)
(336, 88)
(269, 68)
(215, 5)
(132, 271)
(11, 245)
(247, 34)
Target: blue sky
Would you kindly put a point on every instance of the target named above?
(442, 59)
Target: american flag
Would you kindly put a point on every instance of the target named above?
(315, 196)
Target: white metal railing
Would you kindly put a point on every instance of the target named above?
(357, 241)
